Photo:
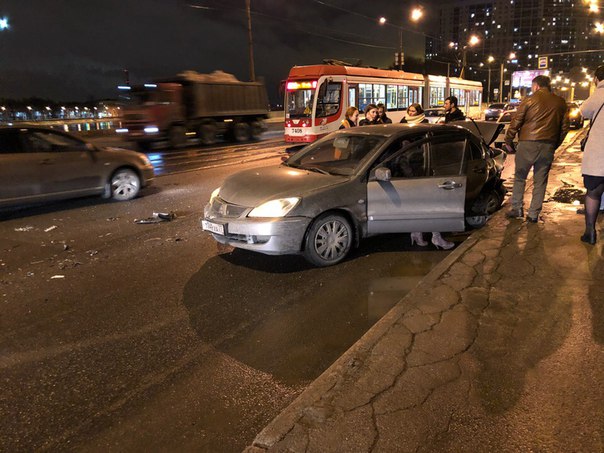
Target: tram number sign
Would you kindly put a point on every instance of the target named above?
(543, 62)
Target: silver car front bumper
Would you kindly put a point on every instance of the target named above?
(274, 236)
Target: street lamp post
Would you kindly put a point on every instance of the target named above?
(415, 15)
(471, 43)
(489, 61)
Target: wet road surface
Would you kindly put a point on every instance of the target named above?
(122, 336)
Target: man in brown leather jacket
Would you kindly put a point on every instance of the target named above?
(541, 121)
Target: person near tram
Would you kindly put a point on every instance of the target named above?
(415, 115)
(382, 114)
(351, 118)
(452, 112)
(592, 166)
(371, 116)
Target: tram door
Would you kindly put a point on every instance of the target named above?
(414, 95)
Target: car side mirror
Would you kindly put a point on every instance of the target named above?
(90, 147)
(383, 174)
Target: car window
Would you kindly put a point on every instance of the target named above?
(47, 141)
(339, 154)
(403, 159)
(448, 155)
(9, 142)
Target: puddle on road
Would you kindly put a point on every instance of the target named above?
(569, 195)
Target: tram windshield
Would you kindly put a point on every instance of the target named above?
(300, 98)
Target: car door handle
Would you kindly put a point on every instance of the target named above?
(45, 162)
(449, 185)
(480, 170)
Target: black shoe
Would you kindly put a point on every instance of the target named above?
(589, 237)
(515, 214)
(532, 219)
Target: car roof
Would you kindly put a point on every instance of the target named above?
(388, 130)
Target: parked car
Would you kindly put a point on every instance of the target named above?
(435, 114)
(39, 164)
(493, 111)
(505, 119)
(575, 117)
(360, 182)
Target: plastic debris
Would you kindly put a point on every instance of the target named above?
(50, 228)
(112, 219)
(54, 277)
(157, 217)
(27, 228)
(92, 252)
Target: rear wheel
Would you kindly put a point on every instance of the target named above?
(177, 136)
(484, 206)
(256, 129)
(241, 132)
(207, 133)
(328, 241)
(125, 184)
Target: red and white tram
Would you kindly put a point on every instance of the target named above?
(317, 96)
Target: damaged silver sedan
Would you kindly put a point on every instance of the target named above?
(357, 183)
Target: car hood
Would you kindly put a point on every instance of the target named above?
(255, 186)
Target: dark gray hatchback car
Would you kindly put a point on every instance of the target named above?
(40, 164)
(361, 182)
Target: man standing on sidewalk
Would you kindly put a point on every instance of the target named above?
(541, 121)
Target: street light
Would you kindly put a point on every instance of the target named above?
(414, 16)
(4, 23)
(511, 56)
(472, 41)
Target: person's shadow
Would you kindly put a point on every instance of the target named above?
(524, 318)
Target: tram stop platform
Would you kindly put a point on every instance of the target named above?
(499, 349)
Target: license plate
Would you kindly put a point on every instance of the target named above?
(296, 131)
(213, 227)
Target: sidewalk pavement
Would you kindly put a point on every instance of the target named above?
(499, 349)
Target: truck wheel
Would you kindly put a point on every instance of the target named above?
(241, 132)
(257, 129)
(207, 133)
(177, 136)
(328, 241)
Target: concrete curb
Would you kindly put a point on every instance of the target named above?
(347, 364)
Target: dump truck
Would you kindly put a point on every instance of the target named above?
(206, 106)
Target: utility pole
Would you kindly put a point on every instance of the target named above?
(250, 42)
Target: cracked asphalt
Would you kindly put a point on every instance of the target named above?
(499, 349)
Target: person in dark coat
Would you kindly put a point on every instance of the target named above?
(371, 116)
(452, 113)
(382, 114)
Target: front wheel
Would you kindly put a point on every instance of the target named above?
(125, 185)
(328, 241)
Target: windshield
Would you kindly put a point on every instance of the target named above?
(299, 103)
(148, 97)
(337, 154)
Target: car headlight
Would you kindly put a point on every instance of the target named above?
(146, 161)
(214, 194)
(275, 208)
(574, 114)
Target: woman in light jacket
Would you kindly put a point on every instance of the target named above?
(592, 167)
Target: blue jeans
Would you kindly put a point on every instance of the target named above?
(538, 156)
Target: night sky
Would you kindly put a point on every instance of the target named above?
(78, 49)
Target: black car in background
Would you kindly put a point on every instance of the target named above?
(493, 111)
(39, 164)
(575, 117)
